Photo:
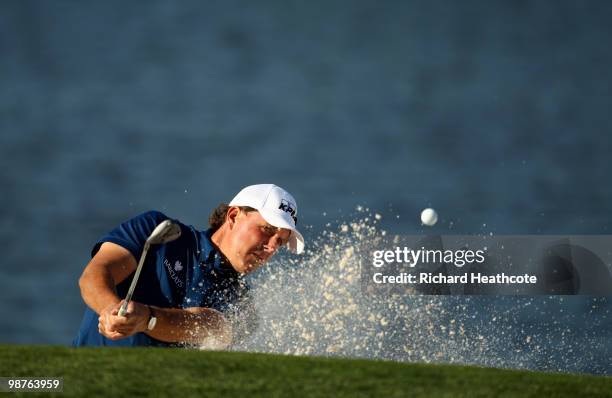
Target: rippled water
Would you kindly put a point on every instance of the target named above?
(495, 114)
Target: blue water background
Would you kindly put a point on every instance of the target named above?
(495, 113)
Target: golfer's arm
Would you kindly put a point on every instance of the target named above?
(111, 265)
(190, 325)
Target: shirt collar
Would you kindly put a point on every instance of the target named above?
(211, 256)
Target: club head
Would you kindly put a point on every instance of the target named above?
(165, 232)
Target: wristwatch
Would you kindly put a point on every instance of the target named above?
(152, 319)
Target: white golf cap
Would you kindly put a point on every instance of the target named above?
(276, 206)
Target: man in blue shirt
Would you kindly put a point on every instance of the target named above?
(189, 289)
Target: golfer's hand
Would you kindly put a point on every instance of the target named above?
(116, 327)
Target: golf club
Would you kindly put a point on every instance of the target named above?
(165, 232)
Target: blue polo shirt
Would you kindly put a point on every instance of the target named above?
(187, 272)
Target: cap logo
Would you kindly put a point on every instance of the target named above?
(288, 207)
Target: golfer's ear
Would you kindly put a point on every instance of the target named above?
(232, 214)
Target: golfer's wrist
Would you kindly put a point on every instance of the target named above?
(145, 322)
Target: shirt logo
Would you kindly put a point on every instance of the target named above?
(172, 273)
(288, 207)
(177, 266)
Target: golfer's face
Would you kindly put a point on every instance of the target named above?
(255, 241)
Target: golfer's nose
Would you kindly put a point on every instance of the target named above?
(273, 244)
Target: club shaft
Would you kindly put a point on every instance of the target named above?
(128, 297)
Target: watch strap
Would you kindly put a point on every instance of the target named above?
(152, 319)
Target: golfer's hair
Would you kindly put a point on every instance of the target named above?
(218, 215)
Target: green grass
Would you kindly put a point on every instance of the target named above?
(108, 372)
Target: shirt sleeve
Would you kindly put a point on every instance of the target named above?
(133, 233)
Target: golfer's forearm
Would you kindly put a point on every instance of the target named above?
(111, 265)
(98, 289)
(190, 325)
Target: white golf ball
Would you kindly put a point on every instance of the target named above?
(429, 217)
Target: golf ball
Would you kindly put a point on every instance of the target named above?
(429, 217)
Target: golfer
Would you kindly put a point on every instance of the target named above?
(191, 288)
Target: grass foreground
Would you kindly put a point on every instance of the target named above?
(139, 372)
